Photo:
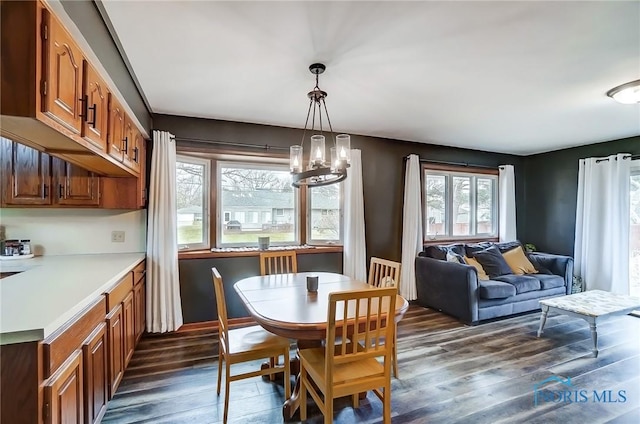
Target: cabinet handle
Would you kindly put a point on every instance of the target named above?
(93, 120)
(61, 191)
(84, 100)
(135, 154)
(45, 191)
(125, 144)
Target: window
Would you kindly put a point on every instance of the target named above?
(228, 200)
(250, 190)
(460, 205)
(325, 214)
(192, 182)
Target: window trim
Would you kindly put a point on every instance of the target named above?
(313, 242)
(263, 164)
(206, 202)
(448, 171)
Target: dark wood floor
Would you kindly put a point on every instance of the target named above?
(449, 373)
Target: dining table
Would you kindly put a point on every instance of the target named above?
(281, 303)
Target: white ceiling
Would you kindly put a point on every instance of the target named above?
(512, 77)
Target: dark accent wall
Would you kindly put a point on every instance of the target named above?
(551, 191)
(383, 185)
(196, 282)
(87, 18)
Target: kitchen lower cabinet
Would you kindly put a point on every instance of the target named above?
(96, 387)
(63, 393)
(115, 324)
(129, 327)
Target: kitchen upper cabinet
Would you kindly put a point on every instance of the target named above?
(53, 97)
(95, 101)
(116, 132)
(96, 386)
(128, 142)
(63, 393)
(62, 76)
(75, 186)
(26, 178)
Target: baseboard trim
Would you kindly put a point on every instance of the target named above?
(213, 325)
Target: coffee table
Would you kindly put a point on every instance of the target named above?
(592, 306)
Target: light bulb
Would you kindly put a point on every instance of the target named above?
(295, 162)
(318, 154)
(343, 153)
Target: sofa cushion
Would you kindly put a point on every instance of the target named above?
(492, 261)
(474, 263)
(440, 251)
(536, 264)
(549, 281)
(491, 289)
(472, 248)
(522, 283)
(518, 262)
(508, 245)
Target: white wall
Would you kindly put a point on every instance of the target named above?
(76, 231)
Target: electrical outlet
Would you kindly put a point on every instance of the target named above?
(117, 236)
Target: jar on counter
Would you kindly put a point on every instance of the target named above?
(25, 247)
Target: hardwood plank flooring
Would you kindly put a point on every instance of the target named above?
(449, 373)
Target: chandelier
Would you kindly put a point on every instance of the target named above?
(318, 171)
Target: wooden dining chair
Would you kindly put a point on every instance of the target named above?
(349, 365)
(384, 273)
(246, 344)
(278, 262)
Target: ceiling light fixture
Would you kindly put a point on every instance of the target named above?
(627, 94)
(318, 172)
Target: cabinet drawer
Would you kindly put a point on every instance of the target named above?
(117, 293)
(139, 272)
(59, 346)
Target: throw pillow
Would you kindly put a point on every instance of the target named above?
(452, 257)
(518, 262)
(492, 261)
(481, 274)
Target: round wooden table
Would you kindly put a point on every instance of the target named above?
(281, 304)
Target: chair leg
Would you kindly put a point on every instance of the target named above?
(219, 370)
(386, 405)
(226, 391)
(303, 393)
(394, 353)
(355, 399)
(328, 407)
(273, 361)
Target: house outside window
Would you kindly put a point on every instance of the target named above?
(460, 205)
(325, 214)
(253, 193)
(192, 189)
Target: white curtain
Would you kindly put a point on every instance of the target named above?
(411, 228)
(602, 223)
(507, 203)
(354, 257)
(164, 310)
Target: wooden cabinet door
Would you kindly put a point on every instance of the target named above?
(140, 308)
(129, 327)
(129, 141)
(142, 178)
(26, 175)
(95, 115)
(115, 329)
(136, 149)
(74, 185)
(63, 395)
(62, 75)
(115, 133)
(96, 386)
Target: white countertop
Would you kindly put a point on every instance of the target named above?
(49, 290)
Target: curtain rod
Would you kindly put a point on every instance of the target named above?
(232, 143)
(465, 164)
(632, 157)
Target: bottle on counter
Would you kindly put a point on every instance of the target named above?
(25, 247)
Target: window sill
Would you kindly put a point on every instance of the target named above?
(459, 240)
(204, 254)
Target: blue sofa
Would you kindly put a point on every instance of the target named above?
(454, 288)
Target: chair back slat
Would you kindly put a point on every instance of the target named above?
(222, 310)
(384, 273)
(278, 262)
(362, 318)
